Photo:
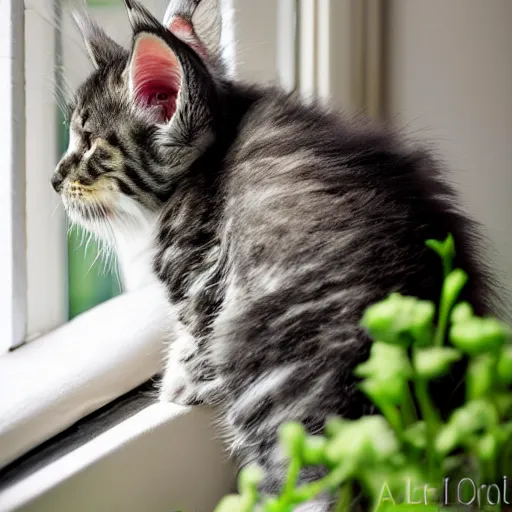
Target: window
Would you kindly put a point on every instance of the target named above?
(56, 371)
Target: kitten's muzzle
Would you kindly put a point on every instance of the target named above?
(62, 171)
(57, 181)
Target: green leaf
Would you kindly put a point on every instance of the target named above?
(433, 362)
(334, 425)
(400, 320)
(313, 451)
(479, 335)
(416, 435)
(479, 376)
(453, 284)
(504, 369)
(445, 250)
(474, 416)
(250, 478)
(385, 362)
(363, 442)
(487, 447)
(385, 391)
(447, 439)
(461, 313)
(387, 372)
(292, 436)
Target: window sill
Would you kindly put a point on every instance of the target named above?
(52, 382)
(160, 459)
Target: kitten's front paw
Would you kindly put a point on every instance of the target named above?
(177, 386)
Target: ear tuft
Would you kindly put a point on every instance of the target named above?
(139, 16)
(206, 26)
(154, 76)
(102, 49)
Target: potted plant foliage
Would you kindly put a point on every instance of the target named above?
(408, 457)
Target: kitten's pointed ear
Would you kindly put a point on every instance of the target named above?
(171, 84)
(154, 76)
(206, 26)
(102, 49)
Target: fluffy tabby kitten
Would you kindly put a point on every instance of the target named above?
(274, 224)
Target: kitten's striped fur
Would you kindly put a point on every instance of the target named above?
(275, 225)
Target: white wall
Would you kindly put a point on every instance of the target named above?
(450, 81)
(256, 39)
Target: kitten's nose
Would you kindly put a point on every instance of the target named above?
(63, 169)
(56, 181)
(67, 165)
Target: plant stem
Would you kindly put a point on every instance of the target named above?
(408, 409)
(393, 417)
(451, 289)
(447, 266)
(328, 482)
(432, 421)
(444, 311)
(291, 481)
(428, 411)
(344, 498)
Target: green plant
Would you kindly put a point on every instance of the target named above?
(400, 459)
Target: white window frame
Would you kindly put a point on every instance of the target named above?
(45, 225)
(12, 190)
(33, 299)
(341, 53)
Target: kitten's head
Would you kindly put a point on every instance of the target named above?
(141, 119)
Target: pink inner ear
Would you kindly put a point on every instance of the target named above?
(155, 76)
(184, 30)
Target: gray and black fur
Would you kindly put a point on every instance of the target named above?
(277, 224)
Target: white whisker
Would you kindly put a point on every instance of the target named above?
(56, 209)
